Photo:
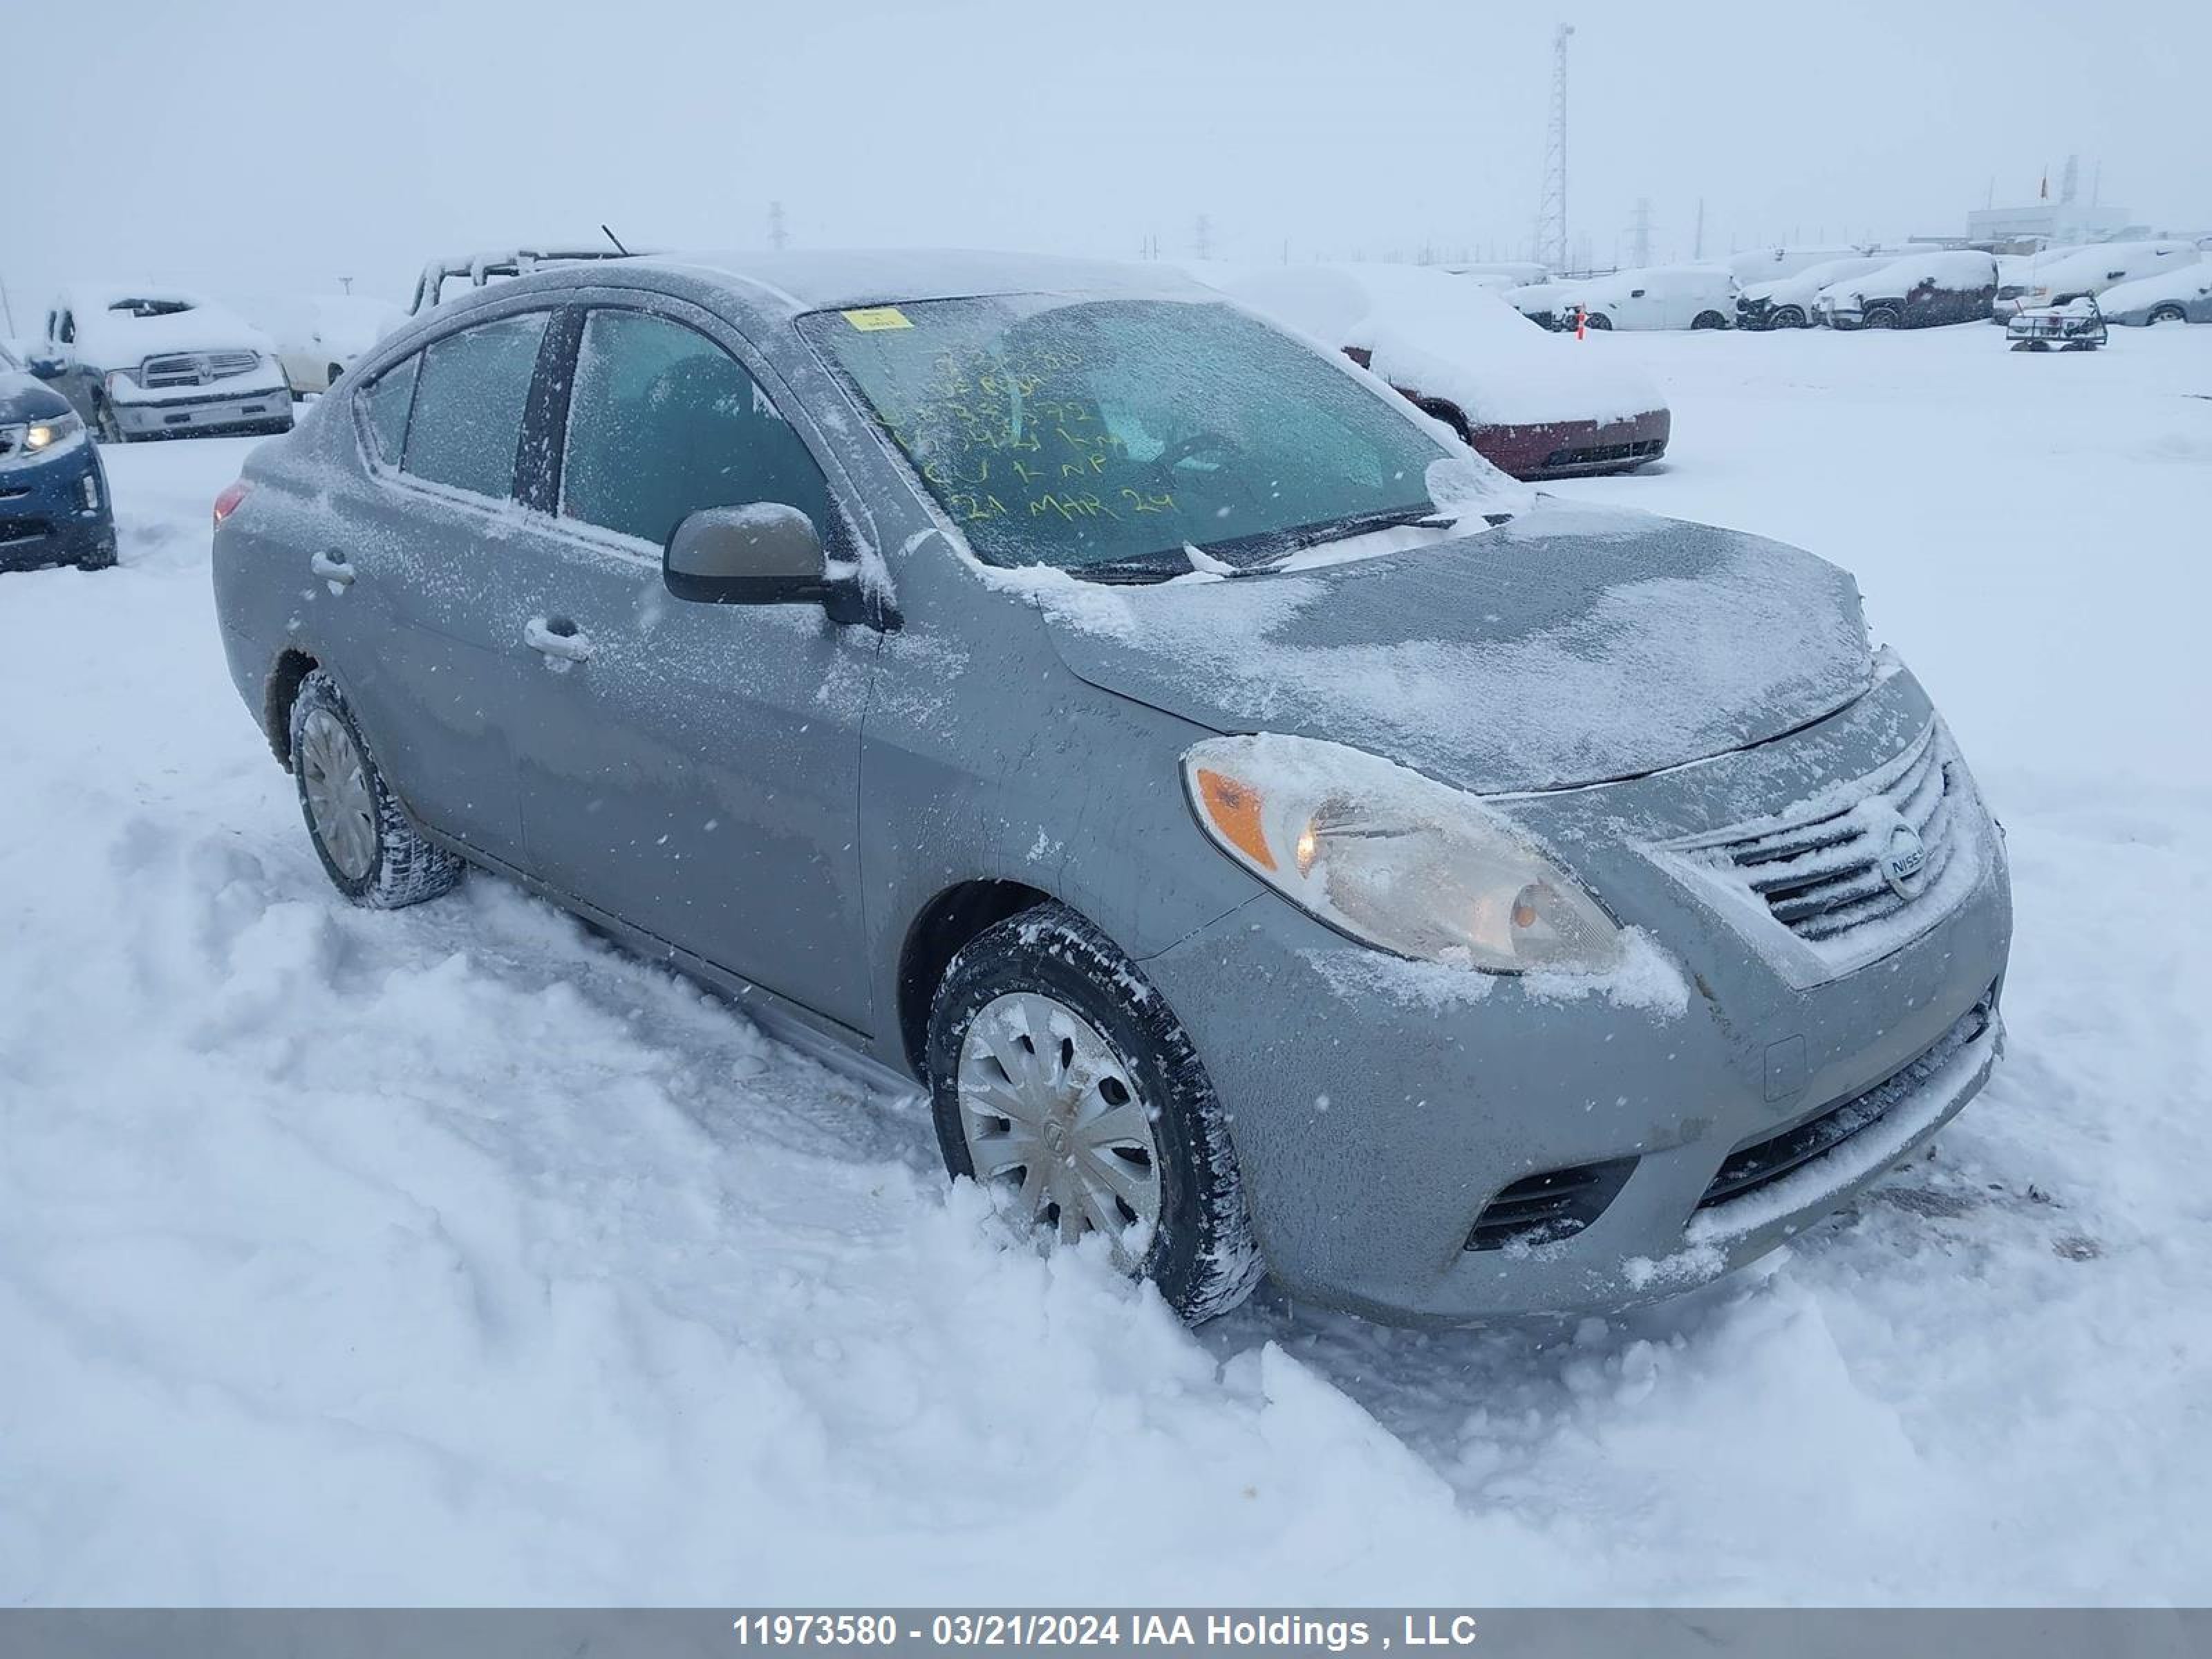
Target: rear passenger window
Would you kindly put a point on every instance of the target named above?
(385, 403)
(662, 422)
(469, 399)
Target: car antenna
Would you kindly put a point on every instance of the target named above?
(616, 240)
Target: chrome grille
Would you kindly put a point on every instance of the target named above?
(1828, 871)
(195, 367)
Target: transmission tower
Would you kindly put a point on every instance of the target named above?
(779, 233)
(1639, 234)
(1551, 242)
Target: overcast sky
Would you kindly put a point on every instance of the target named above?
(256, 146)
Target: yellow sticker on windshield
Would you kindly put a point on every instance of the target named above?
(869, 318)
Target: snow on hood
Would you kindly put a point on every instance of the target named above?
(109, 339)
(1571, 646)
(1427, 330)
(26, 397)
(1805, 286)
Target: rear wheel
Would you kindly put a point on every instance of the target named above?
(1600, 321)
(2169, 315)
(1709, 319)
(370, 849)
(1062, 1084)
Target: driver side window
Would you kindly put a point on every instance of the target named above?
(662, 422)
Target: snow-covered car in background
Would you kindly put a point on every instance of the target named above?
(1794, 302)
(1529, 402)
(2045, 280)
(444, 279)
(54, 505)
(1502, 273)
(147, 362)
(1653, 296)
(1921, 290)
(1538, 301)
(2180, 293)
(317, 338)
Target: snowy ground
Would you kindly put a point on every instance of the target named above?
(453, 1255)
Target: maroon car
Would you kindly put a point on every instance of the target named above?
(1534, 404)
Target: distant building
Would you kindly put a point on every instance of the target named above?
(2043, 224)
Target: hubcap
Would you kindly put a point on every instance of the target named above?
(339, 805)
(1054, 1124)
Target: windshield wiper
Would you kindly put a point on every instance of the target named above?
(1281, 544)
(1137, 568)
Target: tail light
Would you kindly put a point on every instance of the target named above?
(227, 503)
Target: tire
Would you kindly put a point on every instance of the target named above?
(1787, 316)
(106, 429)
(2168, 314)
(370, 850)
(1881, 317)
(1709, 319)
(1127, 1053)
(1600, 321)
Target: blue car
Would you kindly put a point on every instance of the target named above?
(54, 506)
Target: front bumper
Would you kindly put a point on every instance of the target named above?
(1392, 1103)
(1575, 449)
(44, 518)
(259, 409)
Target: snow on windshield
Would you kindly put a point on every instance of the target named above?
(1111, 435)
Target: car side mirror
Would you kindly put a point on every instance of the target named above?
(761, 554)
(45, 365)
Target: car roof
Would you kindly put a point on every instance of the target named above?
(793, 283)
(110, 296)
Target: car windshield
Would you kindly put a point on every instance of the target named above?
(1110, 437)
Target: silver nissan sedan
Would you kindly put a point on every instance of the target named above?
(1276, 840)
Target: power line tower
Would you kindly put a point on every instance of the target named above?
(1550, 240)
(1639, 234)
(779, 233)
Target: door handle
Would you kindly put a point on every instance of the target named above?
(558, 640)
(332, 568)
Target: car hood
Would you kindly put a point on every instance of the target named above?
(1571, 645)
(23, 397)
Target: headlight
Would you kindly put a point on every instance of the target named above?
(45, 434)
(1396, 859)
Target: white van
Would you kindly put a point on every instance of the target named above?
(1654, 297)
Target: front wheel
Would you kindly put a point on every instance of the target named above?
(105, 426)
(1883, 317)
(370, 849)
(1787, 316)
(1061, 1083)
(2169, 315)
